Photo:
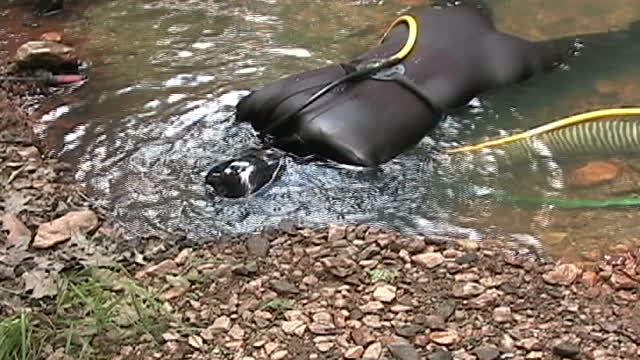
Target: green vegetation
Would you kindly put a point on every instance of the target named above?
(16, 341)
(382, 275)
(278, 304)
(575, 204)
(93, 306)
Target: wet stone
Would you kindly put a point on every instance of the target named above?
(161, 269)
(466, 277)
(403, 351)
(534, 355)
(590, 278)
(297, 327)
(415, 245)
(324, 346)
(372, 307)
(467, 290)
(283, 287)
(310, 280)
(362, 336)
(564, 274)
(385, 293)
(401, 308)
(322, 328)
(495, 281)
(236, 332)
(370, 252)
(52, 36)
(567, 350)
(279, 355)
(486, 353)
(594, 173)
(434, 322)
(270, 347)
(258, 246)
(372, 321)
(356, 314)
(354, 352)
(446, 309)
(44, 54)
(247, 269)
(373, 351)
(428, 260)
(623, 282)
(486, 299)
(449, 337)
(337, 232)
(220, 325)
(440, 355)
(409, 330)
(502, 314)
(6, 272)
(467, 259)
(468, 245)
(452, 253)
(529, 344)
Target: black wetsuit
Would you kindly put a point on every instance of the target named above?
(458, 55)
(368, 121)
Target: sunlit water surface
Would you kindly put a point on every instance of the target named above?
(166, 75)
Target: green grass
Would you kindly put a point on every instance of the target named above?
(98, 302)
(382, 275)
(278, 304)
(95, 308)
(16, 341)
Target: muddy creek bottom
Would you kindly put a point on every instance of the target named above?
(158, 113)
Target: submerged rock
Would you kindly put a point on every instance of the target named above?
(53, 36)
(594, 173)
(44, 55)
(564, 274)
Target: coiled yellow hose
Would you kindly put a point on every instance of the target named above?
(568, 121)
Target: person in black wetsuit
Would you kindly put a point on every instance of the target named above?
(365, 117)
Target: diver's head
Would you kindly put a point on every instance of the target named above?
(245, 174)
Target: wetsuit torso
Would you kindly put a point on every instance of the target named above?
(458, 55)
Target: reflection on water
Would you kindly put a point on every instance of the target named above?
(167, 74)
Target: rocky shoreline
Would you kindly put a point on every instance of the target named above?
(356, 292)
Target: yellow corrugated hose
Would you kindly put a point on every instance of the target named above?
(568, 121)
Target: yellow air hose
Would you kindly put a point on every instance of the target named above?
(571, 120)
(371, 67)
(558, 124)
(411, 40)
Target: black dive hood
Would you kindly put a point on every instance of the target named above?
(246, 173)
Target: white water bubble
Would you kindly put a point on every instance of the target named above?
(296, 52)
(202, 45)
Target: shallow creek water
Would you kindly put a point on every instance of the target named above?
(158, 112)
